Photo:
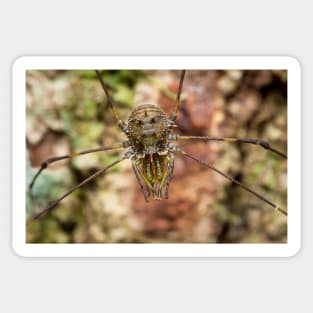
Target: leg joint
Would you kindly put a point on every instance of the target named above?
(264, 144)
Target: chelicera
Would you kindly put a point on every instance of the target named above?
(151, 147)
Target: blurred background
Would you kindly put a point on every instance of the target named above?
(67, 111)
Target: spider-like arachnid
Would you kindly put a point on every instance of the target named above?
(151, 146)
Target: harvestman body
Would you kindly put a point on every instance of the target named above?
(150, 147)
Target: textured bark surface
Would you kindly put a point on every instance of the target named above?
(67, 111)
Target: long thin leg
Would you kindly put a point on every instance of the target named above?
(55, 202)
(174, 113)
(121, 124)
(45, 164)
(259, 142)
(234, 181)
(169, 176)
(145, 192)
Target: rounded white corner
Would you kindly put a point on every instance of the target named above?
(18, 250)
(294, 250)
(20, 63)
(294, 62)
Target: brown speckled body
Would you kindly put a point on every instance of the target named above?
(148, 130)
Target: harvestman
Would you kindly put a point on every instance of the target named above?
(150, 147)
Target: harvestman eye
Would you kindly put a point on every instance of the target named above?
(156, 119)
(153, 161)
